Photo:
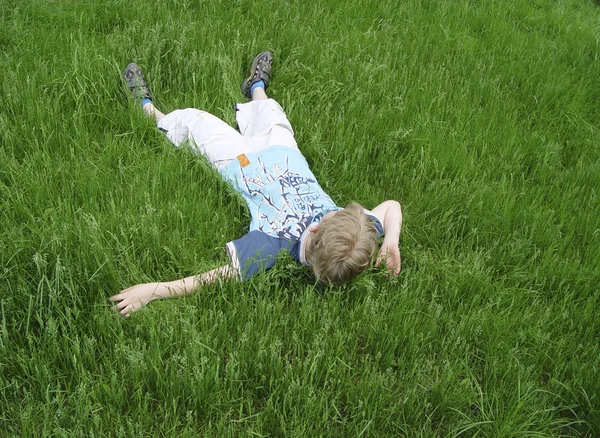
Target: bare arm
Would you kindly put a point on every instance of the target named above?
(135, 297)
(391, 213)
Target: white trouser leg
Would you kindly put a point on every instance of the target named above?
(263, 124)
(205, 133)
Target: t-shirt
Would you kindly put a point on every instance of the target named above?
(284, 199)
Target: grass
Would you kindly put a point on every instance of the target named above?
(481, 118)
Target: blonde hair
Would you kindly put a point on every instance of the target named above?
(343, 245)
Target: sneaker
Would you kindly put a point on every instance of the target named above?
(134, 78)
(260, 70)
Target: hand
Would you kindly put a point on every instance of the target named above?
(135, 297)
(390, 253)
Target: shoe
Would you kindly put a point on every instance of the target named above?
(260, 70)
(134, 79)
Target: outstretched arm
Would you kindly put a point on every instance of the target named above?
(391, 213)
(135, 297)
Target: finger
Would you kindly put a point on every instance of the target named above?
(119, 306)
(127, 309)
(122, 304)
(121, 295)
(397, 267)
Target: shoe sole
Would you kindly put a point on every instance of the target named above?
(133, 78)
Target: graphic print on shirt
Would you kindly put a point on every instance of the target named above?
(283, 203)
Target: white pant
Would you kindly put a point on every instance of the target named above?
(262, 124)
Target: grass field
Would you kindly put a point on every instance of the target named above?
(481, 118)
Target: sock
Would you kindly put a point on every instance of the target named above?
(260, 84)
(146, 100)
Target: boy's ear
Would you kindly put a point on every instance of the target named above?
(315, 229)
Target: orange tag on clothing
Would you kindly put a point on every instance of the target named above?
(243, 159)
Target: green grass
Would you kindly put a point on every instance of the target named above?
(481, 118)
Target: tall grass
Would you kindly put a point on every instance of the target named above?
(481, 118)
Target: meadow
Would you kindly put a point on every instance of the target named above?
(481, 118)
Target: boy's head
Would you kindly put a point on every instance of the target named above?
(343, 245)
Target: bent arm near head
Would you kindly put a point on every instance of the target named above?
(391, 213)
(135, 297)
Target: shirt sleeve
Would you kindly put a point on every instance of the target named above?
(255, 252)
(377, 223)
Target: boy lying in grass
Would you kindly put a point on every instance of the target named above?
(289, 209)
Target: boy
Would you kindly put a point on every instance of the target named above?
(289, 209)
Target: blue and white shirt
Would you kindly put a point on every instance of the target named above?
(285, 200)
